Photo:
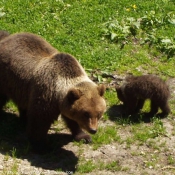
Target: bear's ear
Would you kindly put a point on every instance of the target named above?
(101, 89)
(73, 95)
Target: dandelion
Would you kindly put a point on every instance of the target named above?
(128, 9)
(134, 6)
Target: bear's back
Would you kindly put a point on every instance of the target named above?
(20, 54)
(24, 45)
(147, 86)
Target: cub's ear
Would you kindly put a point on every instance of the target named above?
(73, 95)
(101, 89)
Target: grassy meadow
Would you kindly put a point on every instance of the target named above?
(109, 38)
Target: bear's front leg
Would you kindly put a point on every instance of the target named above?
(131, 103)
(76, 131)
(23, 116)
(139, 106)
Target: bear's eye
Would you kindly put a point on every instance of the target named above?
(87, 114)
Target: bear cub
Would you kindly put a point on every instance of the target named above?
(136, 89)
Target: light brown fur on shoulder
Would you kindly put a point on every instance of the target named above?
(136, 89)
(44, 83)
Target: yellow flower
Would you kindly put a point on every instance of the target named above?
(134, 6)
(128, 9)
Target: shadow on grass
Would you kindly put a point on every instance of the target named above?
(117, 113)
(13, 142)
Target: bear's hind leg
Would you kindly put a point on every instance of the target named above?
(165, 109)
(76, 131)
(38, 125)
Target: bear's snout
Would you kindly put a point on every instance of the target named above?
(92, 131)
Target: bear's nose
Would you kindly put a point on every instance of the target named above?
(92, 131)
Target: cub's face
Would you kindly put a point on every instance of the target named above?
(86, 109)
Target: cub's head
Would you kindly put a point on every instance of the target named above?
(85, 105)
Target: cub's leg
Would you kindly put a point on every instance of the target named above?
(140, 104)
(76, 131)
(165, 109)
(154, 108)
(131, 104)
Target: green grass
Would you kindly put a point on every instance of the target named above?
(86, 167)
(143, 133)
(77, 27)
(83, 29)
(114, 167)
(105, 135)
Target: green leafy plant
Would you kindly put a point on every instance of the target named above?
(145, 28)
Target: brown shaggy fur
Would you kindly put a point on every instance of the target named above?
(136, 89)
(45, 83)
(3, 34)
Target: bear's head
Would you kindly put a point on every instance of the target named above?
(85, 105)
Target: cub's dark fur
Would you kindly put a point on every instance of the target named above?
(45, 83)
(136, 89)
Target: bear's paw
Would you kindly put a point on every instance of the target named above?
(83, 137)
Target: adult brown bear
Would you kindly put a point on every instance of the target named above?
(136, 89)
(44, 83)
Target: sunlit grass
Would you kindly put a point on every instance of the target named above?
(77, 27)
